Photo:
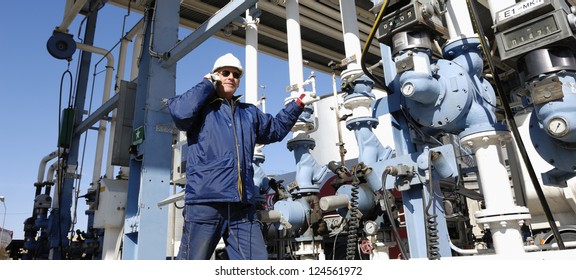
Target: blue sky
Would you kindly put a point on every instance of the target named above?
(30, 87)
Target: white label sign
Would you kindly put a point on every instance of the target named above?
(519, 8)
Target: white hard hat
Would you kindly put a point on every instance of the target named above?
(228, 60)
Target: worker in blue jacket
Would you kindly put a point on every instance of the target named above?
(222, 133)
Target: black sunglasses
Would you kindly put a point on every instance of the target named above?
(226, 73)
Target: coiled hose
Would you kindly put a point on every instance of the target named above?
(431, 223)
(432, 234)
(353, 222)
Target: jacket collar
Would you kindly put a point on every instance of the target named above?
(236, 99)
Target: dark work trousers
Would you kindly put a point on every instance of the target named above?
(206, 223)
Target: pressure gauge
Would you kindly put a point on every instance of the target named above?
(557, 127)
(407, 89)
(370, 227)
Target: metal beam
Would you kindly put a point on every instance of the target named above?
(99, 114)
(216, 22)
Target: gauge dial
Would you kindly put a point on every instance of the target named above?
(557, 127)
(407, 89)
(370, 228)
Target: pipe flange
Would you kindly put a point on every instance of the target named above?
(486, 138)
(295, 143)
(350, 73)
(305, 238)
(361, 122)
(303, 126)
(460, 46)
(518, 213)
(258, 157)
(357, 100)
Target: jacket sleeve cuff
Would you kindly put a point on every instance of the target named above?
(299, 101)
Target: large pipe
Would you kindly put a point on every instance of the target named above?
(501, 213)
(251, 71)
(70, 12)
(509, 115)
(273, 34)
(44, 162)
(105, 97)
(136, 54)
(50, 178)
(124, 42)
(297, 83)
(296, 69)
(308, 13)
(320, 27)
(459, 25)
(350, 31)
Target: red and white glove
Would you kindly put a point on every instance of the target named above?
(212, 77)
(306, 98)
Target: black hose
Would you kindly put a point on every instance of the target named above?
(403, 250)
(367, 47)
(514, 127)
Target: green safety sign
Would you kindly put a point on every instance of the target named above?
(138, 135)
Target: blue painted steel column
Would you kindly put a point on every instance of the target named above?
(412, 198)
(60, 218)
(146, 224)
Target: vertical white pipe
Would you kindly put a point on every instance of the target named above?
(119, 74)
(50, 178)
(507, 238)
(110, 243)
(121, 63)
(498, 197)
(294, 46)
(106, 95)
(458, 20)
(251, 69)
(498, 5)
(494, 177)
(136, 53)
(124, 42)
(350, 31)
(263, 104)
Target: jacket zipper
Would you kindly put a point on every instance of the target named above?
(231, 102)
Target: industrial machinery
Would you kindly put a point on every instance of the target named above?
(448, 134)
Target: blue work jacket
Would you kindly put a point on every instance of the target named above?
(221, 137)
